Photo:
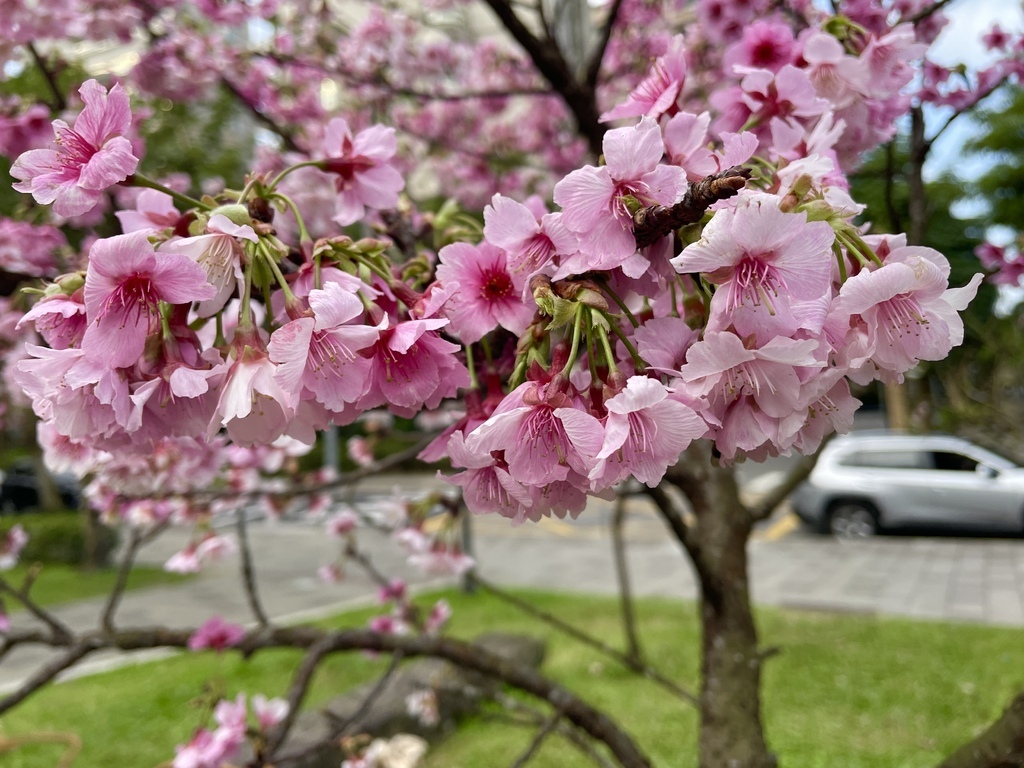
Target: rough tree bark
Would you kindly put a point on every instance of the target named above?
(1000, 746)
(731, 729)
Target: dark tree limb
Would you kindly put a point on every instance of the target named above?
(286, 137)
(654, 222)
(1000, 746)
(252, 594)
(535, 718)
(545, 730)
(107, 619)
(59, 629)
(548, 60)
(597, 57)
(641, 669)
(463, 654)
(796, 475)
(633, 650)
(48, 672)
(60, 102)
(301, 681)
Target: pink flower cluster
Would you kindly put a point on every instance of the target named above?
(217, 748)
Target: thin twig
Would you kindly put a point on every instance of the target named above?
(371, 697)
(594, 68)
(622, 572)
(48, 672)
(640, 668)
(296, 693)
(59, 629)
(249, 572)
(267, 120)
(60, 103)
(134, 542)
(531, 749)
(796, 475)
(964, 110)
(927, 11)
(536, 717)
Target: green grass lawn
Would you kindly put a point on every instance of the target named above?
(58, 583)
(846, 691)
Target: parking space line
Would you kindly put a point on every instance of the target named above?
(784, 526)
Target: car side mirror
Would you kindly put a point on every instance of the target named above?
(988, 472)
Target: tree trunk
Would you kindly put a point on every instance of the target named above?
(731, 734)
(731, 730)
(1000, 746)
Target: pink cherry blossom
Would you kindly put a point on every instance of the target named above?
(322, 353)
(644, 434)
(766, 44)
(10, 548)
(764, 261)
(29, 249)
(592, 198)
(253, 406)
(364, 176)
(154, 210)
(489, 293)
(657, 93)
(124, 284)
(487, 486)
(909, 311)
(544, 435)
(269, 712)
(342, 523)
(439, 614)
(59, 319)
(216, 634)
(529, 244)
(412, 367)
(90, 157)
(219, 254)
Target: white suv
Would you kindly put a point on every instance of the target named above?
(867, 481)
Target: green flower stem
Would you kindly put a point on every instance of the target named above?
(591, 350)
(471, 367)
(304, 236)
(638, 362)
(577, 333)
(518, 373)
(245, 324)
(841, 260)
(138, 180)
(606, 345)
(289, 297)
(378, 270)
(622, 305)
(290, 169)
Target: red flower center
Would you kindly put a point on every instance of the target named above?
(496, 284)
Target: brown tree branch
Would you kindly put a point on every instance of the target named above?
(535, 718)
(60, 102)
(461, 653)
(48, 672)
(545, 730)
(252, 594)
(927, 11)
(654, 222)
(59, 629)
(286, 137)
(597, 57)
(577, 634)
(578, 97)
(796, 475)
(296, 694)
(107, 619)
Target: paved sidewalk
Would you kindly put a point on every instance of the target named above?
(976, 580)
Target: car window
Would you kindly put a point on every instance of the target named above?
(888, 459)
(956, 462)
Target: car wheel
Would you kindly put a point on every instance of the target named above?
(853, 520)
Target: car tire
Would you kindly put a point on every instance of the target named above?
(852, 520)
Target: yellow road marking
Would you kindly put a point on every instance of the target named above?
(784, 526)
